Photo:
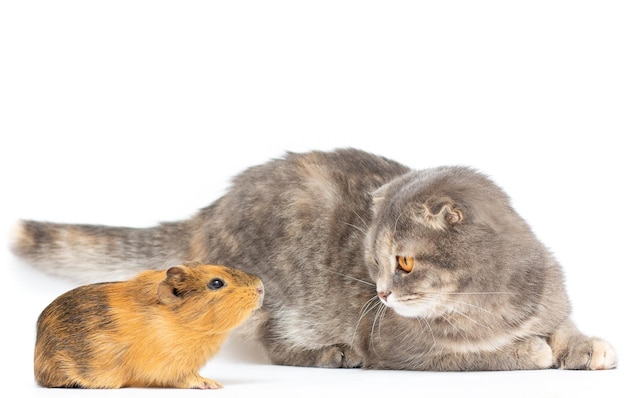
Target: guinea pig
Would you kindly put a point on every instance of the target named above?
(155, 330)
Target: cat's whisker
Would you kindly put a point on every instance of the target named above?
(469, 318)
(471, 293)
(453, 310)
(470, 305)
(361, 230)
(373, 305)
(395, 225)
(369, 305)
(461, 302)
(458, 331)
(353, 278)
(448, 315)
(432, 333)
(365, 224)
(380, 321)
(377, 318)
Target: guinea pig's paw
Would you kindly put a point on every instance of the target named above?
(537, 351)
(203, 383)
(588, 353)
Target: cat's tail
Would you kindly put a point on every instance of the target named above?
(96, 253)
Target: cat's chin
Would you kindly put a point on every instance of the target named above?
(409, 311)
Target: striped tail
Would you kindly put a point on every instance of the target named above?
(97, 253)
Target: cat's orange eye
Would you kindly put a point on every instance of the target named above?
(405, 263)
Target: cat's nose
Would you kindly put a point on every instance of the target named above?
(383, 295)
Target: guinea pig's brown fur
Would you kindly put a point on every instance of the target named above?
(155, 330)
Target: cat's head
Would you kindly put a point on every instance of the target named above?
(441, 233)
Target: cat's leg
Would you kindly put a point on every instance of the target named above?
(574, 350)
(284, 349)
(527, 354)
(335, 356)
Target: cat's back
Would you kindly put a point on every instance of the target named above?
(299, 189)
(344, 167)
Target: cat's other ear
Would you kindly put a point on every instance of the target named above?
(378, 196)
(167, 291)
(441, 213)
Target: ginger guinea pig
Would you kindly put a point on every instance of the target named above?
(155, 330)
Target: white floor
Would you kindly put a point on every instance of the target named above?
(134, 112)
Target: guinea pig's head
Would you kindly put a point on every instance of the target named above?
(212, 298)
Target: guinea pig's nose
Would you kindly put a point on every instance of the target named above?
(261, 294)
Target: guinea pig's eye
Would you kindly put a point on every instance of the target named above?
(405, 263)
(216, 284)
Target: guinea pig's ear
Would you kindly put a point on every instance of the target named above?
(167, 291)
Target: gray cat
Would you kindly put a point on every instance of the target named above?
(366, 263)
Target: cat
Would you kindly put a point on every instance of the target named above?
(366, 262)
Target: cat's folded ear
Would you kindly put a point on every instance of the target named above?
(440, 213)
(167, 291)
(378, 196)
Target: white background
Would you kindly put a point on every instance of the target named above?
(131, 113)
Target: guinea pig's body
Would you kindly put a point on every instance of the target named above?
(155, 330)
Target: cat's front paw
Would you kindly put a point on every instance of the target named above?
(340, 356)
(588, 353)
(334, 356)
(350, 358)
(535, 353)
